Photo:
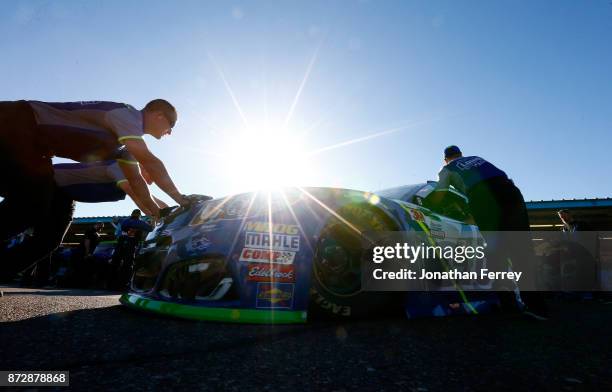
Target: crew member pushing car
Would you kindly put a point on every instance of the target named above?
(495, 202)
(32, 132)
(497, 205)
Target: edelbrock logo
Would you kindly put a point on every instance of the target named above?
(267, 273)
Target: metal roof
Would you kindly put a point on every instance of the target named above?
(571, 203)
(103, 219)
(94, 219)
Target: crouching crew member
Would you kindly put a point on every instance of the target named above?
(95, 182)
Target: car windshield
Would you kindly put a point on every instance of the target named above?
(404, 193)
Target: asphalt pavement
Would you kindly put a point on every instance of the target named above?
(107, 346)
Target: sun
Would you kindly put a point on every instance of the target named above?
(268, 159)
(271, 152)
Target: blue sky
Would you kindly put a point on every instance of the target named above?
(524, 84)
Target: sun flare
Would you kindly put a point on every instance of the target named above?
(266, 159)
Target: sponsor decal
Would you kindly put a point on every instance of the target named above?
(209, 212)
(199, 242)
(417, 215)
(437, 234)
(207, 228)
(199, 267)
(470, 163)
(253, 255)
(232, 208)
(436, 226)
(342, 310)
(278, 228)
(235, 208)
(274, 295)
(273, 242)
(271, 272)
(436, 230)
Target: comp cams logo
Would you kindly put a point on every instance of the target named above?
(266, 256)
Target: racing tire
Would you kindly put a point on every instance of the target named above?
(336, 275)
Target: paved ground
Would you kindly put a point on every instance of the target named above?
(106, 346)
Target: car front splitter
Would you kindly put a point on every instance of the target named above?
(233, 315)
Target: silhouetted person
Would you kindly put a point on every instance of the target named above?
(497, 205)
(122, 263)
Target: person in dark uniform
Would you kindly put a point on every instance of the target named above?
(576, 255)
(122, 263)
(570, 224)
(495, 202)
(82, 264)
(497, 205)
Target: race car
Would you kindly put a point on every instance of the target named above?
(280, 256)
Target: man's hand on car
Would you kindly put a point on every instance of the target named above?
(192, 199)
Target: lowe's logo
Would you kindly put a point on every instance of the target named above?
(278, 228)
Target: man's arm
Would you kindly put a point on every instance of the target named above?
(156, 169)
(149, 181)
(444, 178)
(125, 186)
(444, 181)
(139, 189)
(160, 203)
